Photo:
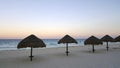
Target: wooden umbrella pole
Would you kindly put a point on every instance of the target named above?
(31, 53)
(107, 46)
(67, 49)
(93, 48)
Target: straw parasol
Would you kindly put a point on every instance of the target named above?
(65, 40)
(107, 39)
(92, 41)
(31, 41)
(117, 39)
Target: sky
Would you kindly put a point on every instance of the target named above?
(56, 18)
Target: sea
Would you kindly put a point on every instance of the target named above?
(11, 44)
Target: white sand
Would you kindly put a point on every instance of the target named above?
(79, 57)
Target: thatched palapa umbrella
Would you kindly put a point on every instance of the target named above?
(92, 41)
(107, 39)
(67, 39)
(117, 39)
(31, 41)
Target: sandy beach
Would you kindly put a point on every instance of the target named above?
(79, 57)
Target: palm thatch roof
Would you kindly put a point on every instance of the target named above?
(92, 41)
(107, 38)
(67, 39)
(117, 39)
(31, 41)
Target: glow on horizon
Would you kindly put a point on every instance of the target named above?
(56, 18)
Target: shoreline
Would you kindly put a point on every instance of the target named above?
(71, 48)
(61, 46)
